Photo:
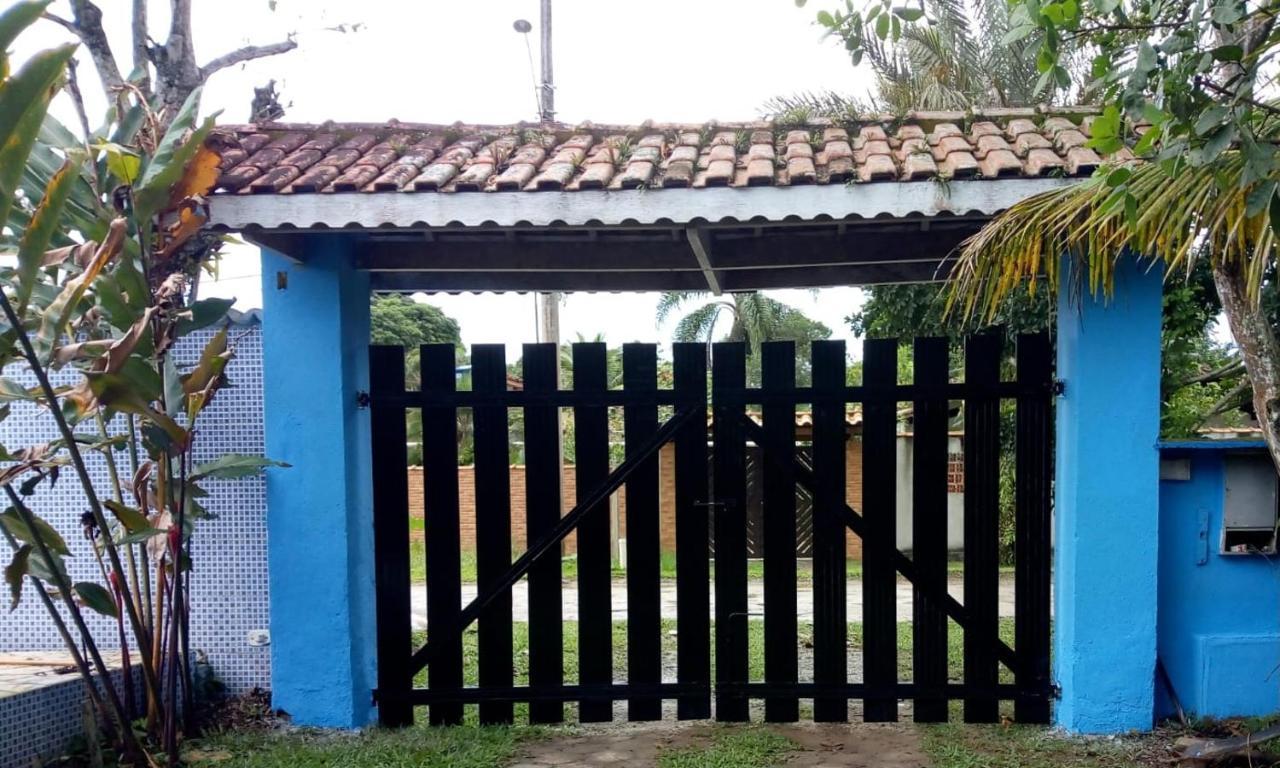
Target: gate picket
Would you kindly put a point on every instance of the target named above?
(830, 622)
(693, 605)
(644, 555)
(390, 535)
(542, 508)
(591, 459)
(493, 526)
(1034, 467)
(982, 527)
(879, 545)
(440, 523)
(728, 381)
(778, 372)
(929, 529)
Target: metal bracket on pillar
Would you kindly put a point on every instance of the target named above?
(700, 242)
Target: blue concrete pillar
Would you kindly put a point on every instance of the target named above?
(319, 512)
(1107, 504)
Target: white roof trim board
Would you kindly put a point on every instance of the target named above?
(919, 199)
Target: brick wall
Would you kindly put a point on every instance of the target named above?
(666, 500)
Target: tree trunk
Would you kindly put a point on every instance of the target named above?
(1258, 348)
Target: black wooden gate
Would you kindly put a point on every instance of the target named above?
(717, 505)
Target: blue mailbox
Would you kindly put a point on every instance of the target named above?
(1218, 626)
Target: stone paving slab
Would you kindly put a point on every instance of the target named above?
(755, 599)
(861, 745)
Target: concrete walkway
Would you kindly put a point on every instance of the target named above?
(755, 599)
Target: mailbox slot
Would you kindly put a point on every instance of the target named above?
(1251, 505)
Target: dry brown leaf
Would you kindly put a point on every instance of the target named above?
(201, 173)
(189, 222)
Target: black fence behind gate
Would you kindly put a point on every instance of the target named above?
(712, 496)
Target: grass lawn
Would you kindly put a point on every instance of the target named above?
(473, 746)
(569, 567)
(736, 747)
(420, 746)
(955, 745)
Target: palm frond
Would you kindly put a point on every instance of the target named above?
(698, 324)
(670, 301)
(1174, 215)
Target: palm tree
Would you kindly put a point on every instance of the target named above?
(957, 60)
(756, 319)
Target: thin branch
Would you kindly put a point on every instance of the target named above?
(66, 24)
(88, 27)
(247, 53)
(1208, 84)
(141, 53)
(77, 98)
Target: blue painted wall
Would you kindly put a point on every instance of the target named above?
(1106, 520)
(319, 513)
(1219, 620)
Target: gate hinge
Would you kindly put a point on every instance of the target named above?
(1055, 691)
(1059, 387)
(363, 399)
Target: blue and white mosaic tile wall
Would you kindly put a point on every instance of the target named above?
(229, 585)
(39, 724)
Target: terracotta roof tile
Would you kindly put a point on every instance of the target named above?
(999, 163)
(638, 173)
(878, 168)
(1042, 161)
(555, 176)
(800, 170)
(1082, 161)
(401, 157)
(1025, 142)
(989, 142)
(918, 165)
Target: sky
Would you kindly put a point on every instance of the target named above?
(437, 61)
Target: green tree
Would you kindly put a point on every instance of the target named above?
(756, 318)
(398, 319)
(401, 321)
(1197, 76)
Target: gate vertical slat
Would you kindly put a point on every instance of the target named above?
(981, 526)
(693, 607)
(391, 535)
(778, 373)
(1034, 462)
(440, 525)
(879, 544)
(644, 555)
(493, 527)
(542, 509)
(929, 528)
(830, 620)
(728, 380)
(591, 460)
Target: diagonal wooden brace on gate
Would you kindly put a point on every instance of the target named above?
(856, 523)
(567, 524)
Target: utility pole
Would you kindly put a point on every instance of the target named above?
(549, 316)
(548, 101)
